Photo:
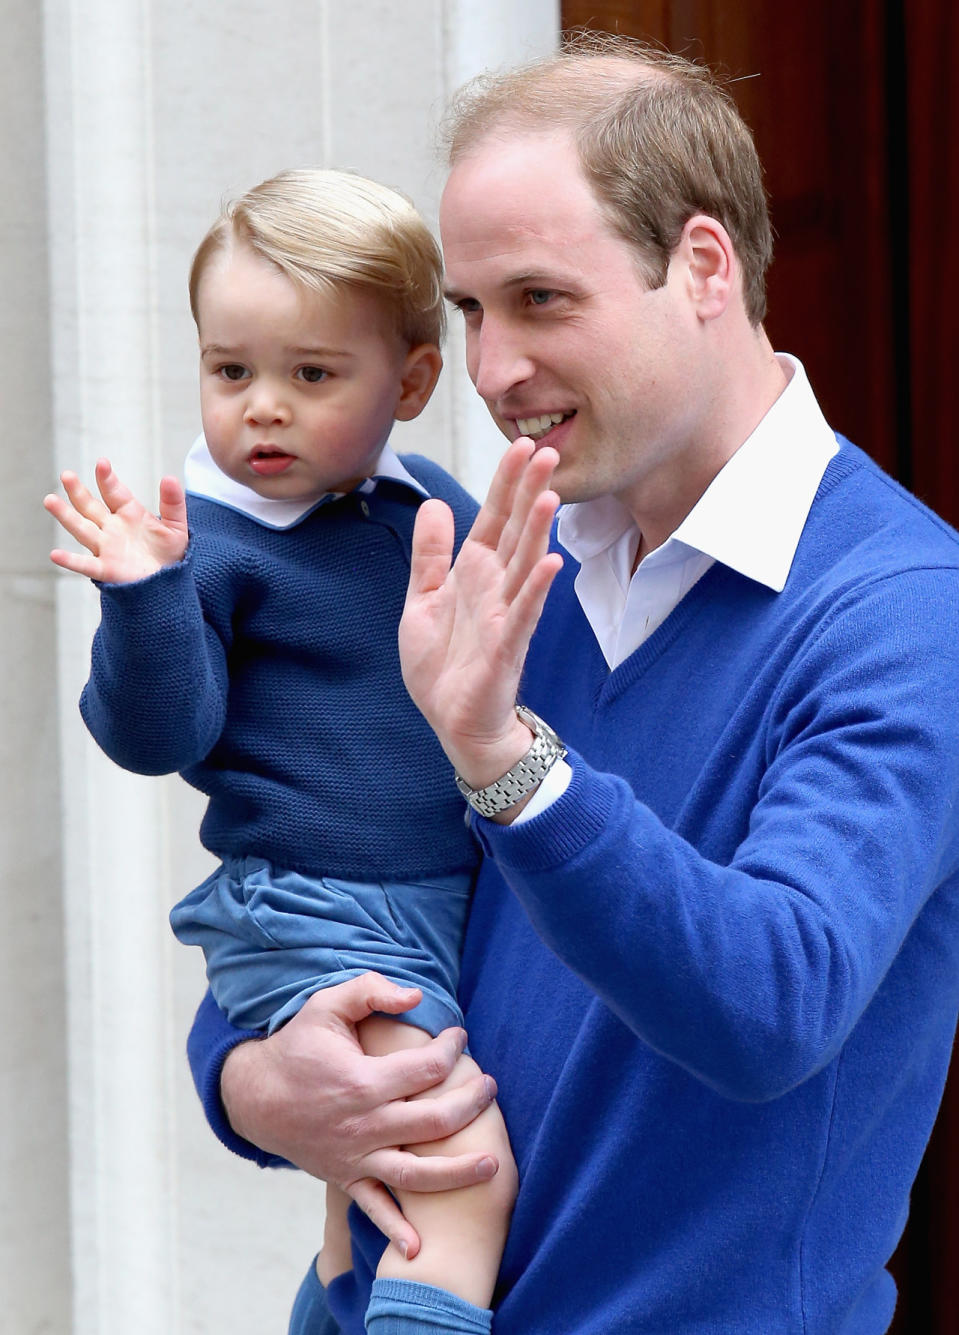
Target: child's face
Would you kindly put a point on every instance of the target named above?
(298, 391)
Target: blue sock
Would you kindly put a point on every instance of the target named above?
(400, 1307)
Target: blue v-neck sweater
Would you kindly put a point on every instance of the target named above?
(717, 981)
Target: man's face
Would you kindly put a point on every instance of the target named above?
(564, 340)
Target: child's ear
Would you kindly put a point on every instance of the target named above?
(418, 379)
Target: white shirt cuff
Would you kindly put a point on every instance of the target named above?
(553, 786)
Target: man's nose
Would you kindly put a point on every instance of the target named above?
(266, 405)
(499, 360)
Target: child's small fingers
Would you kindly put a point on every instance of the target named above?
(82, 499)
(114, 492)
(78, 563)
(85, 531)
(172, 500)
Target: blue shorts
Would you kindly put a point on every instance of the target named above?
(272, 938)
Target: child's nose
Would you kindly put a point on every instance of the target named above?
(265, 406)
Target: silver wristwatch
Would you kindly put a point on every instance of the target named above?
(525, 774)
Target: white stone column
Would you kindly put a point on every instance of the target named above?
(34, 1169)
(480, 35)
(105, 358)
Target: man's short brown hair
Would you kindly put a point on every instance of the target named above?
(659, 138)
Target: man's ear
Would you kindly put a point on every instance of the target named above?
(712, 265)
(418, 379)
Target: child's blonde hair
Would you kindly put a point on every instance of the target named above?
(331, 229)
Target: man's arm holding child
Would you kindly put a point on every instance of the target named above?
(309, 1095)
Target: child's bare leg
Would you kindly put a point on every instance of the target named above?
(336, 1257)
(462, 1232)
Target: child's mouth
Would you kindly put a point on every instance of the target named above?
(268, 462)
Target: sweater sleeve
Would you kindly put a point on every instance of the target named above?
(156, 698)
(752, 974)
(211, 1040)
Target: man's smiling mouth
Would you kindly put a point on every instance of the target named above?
(536, 427)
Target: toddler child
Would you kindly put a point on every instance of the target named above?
(248, 640)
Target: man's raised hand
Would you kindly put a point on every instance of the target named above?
(466, 628)
(124, 541)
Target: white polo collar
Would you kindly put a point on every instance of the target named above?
(203, 478)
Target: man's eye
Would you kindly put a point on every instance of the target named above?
(312, 374)
(539, 296)
(233, 371)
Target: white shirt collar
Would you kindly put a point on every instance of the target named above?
(202, 477)
(751, 516)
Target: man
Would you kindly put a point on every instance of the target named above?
(712, 960)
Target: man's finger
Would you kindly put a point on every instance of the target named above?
(413, 1121)
(527, 608)
(526, 568)
(405, 1171)
(496, 510)
(410, 1071)
(532, 484)
(359, 997)
(432, 554)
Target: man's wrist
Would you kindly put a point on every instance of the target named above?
(505, 796)
(238, 1076)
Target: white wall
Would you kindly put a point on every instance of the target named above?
(123, 123)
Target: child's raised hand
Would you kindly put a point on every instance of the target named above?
(123, 540)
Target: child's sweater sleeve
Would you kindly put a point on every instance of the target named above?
(156, 697)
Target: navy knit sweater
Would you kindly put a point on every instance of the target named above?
(264, 667)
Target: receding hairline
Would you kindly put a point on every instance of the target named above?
(461, 131)
(659, 137)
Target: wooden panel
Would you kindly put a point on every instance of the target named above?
(931, 38)
(817, 110)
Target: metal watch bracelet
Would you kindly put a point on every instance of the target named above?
(525, 774)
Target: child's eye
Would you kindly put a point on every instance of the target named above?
(233, 371)
(312, 374)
